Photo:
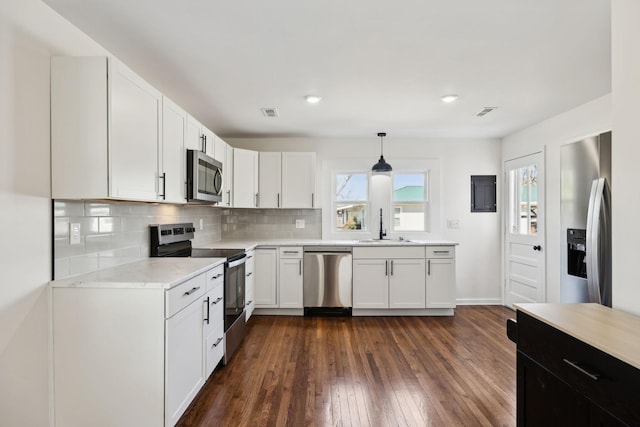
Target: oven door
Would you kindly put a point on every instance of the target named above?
(204, 177)
(234, 276)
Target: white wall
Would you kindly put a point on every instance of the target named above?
(588, 119)
(478, 254)
(626, 154)
(29, 34)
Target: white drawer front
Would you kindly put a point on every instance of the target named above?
(367, 252)
(214, 350)
(441, 251)
(215, 277)
(184, 294)
(291, 252)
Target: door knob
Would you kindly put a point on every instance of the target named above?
(537, 248)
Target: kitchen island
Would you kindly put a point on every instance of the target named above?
(577, 364)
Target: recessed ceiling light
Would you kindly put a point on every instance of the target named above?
(312, 99)
(449, 98)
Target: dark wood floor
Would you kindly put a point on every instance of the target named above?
(366, 371)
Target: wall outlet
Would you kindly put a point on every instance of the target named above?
(453, 223)
(74, 233)
(299, 223)
(201, 223)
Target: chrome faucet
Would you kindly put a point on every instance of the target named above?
(383, 233)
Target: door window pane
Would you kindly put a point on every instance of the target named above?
(523, 200)
(409, 202)
(351, 201)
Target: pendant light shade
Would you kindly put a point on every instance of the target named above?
(382, 166)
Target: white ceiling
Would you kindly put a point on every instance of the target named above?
(379, 65)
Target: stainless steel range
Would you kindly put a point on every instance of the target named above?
(174, 240)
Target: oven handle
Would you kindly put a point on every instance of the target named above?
(237, 262)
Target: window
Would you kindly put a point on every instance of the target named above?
(409, 200)
(351, 201)
(523, 200)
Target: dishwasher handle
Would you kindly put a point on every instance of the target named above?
(327, 249)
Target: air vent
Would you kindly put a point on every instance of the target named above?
(485, 111)
(270, 112)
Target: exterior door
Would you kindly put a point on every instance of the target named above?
(524, 234)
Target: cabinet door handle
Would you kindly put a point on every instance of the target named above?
(228, 197)
(391, 262)
(257, 199)
(249, 302)
(428, 267)
(217, 300)
(249, 274)
(215, 344)
(386, 267)
(300, 267)
(278, 200)
(163, 177)
(580, 369)
(313, 201)
(208, 312)
(203, 138)
(192, 290)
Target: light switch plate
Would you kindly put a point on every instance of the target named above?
(453, 223)
(299, 223)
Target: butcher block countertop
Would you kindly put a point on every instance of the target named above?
(611, 331)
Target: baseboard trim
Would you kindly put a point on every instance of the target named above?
(479, 301)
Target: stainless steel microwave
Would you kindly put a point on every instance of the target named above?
(204, 178)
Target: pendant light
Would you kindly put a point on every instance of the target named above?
(382, 166)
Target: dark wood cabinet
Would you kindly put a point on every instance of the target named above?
(563, 381)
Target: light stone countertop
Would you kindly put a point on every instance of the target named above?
(252, 244)
(152, 273)
(612, 331)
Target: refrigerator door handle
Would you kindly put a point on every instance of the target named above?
(597, 226)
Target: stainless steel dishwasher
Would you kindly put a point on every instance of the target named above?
(328, 279)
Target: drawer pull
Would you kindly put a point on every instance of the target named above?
(291, 252)
(582, 370)
(249, 274)
(216, 276)
(192, 290)
(217, 301)
(440, 252)
(215, 344)
(250, 302)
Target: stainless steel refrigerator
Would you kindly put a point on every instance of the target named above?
(585, 197)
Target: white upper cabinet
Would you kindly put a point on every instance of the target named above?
(194, 139)
(219, 149)
(299, 180)
(105, 131)
(245, 178)
(209, 142)
(227, 178)
(270, 182)
(172, 156)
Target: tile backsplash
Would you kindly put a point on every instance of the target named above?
(259, 224)
(114, 232)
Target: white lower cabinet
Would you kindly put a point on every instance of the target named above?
(290, 277)
(441, 277)
(388, 277)
(134, 356)
(406, 283)
(266, 278)
(185, 359)
(250, 284)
